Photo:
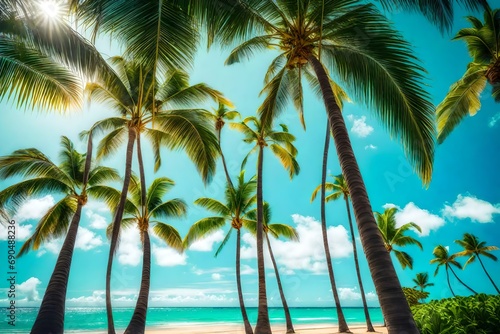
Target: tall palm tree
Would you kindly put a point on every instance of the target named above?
(357, 44)
(277, 230)
(238, 201)
(443, 258)
(281, 143)
(142, 217)
(74, 178)
(395, 236)
(167, 120)
(220, 116)
(483, 43)
(339, 189)
(473, 249)
(422, 281)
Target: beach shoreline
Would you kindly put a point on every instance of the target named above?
(226, 328)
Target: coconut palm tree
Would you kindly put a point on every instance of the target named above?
(277, 230)
(281, 143)
(395, 236)
(443, 258)
(339, 189)
(143, 217)
(74, 178)
(167, 120)
(238, 201)
(220, 116)
(473, 249)
(422, 281)
(483, 43)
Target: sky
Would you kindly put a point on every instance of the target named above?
(463, 196)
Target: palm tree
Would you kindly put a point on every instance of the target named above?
(395, 236)
(168, 120)
(74, 178)
(422, 281)
(442, 258)
(280, 142)
(483, 43)
(340, 189)
(238, 201)
(219, 116)
(277, 230)
(142, 216)
(473, 249)
(357, 44)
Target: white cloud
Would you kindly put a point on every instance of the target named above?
(52, 246)
(493, 121)
(411, 213)
(129, 249)
(308, 254)
(167, 257)
(216, 276)
(97, 221)
(29, 289)
(370, 147)
(473, 208)
(87, 240)
(354, 294)
(206, 244)
(359, 126)
(23, 232)
(34, 208)
(247, 270)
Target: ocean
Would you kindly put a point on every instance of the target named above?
(80, 319)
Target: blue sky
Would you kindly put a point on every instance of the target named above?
(463, 197)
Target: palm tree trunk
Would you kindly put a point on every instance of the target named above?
(369, 325)
(468, 287)
(224, 161)
(392, 300)
(343, 327)
(491, 280)
(263, 326)
(248, 327)
(116, 226)
(448, 279)
(142, 176)
(289, 325)
(50, 318)
(137, 324)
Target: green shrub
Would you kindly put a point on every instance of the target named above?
(479, 314)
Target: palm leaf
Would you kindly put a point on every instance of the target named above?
(159, 188)
(286, 159)
(404, 259)
(170, 235)
(203, 228)
(173, 208)
(224, 242)
(283, 230)
(213, 205)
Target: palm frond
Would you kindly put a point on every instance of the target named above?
(101, 174)
(203, 228)
(158, 188)
(285, 231)
(404, 259)
(111, 142)
(213, 206)
(287, 160)
(170, 235)
(171, 209)
(224, 242)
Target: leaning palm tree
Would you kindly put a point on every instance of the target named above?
(483, 43)
(220, 116)
(340, 189)
(422, 281)
(277, 230)
(443, 258)
(281, 144)
(238, 201)
(142, 217)
(74, 178)
(169, 120)
(357, 45)
(473, 249)
(395, 236)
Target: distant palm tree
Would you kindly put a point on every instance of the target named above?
(142, 217)
(483, 42)
(395, 236)
(281, 144)
(340, 189)
(473, 249)
(442, 258)
(219, 116)
(75, 179)
(238, 201)
(277, 230)
(422, 281)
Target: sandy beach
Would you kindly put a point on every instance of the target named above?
(238, 329)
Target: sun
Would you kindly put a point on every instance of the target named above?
(50, 9)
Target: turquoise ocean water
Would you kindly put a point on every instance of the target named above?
(78, 319)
